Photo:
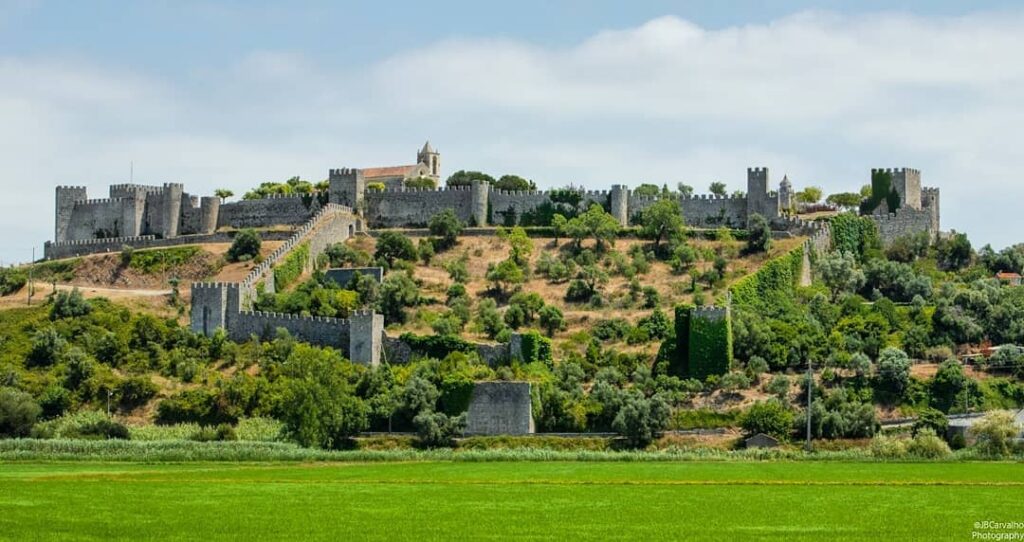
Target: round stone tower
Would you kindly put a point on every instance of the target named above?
(479, 194)
(620, 204)
(209, 212)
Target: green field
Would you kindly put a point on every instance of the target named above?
(558, 501)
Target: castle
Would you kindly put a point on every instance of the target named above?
(143, 216)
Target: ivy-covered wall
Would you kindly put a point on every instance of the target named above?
(291, 267)
(773, 280)
(703, 342)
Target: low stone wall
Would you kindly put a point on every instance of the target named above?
(500, 408)
(70, 249)
(343, 275)
(319, 330)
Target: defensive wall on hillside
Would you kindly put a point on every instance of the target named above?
(151, 216)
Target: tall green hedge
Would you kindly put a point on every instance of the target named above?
(536, 347)
(772, 282)
(852, 234)
(291, 268)
(436, 346)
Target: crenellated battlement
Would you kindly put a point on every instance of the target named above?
(896, 170)
(101, 241)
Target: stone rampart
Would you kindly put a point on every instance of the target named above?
(270, 211)
(412, 207)
(500, 408)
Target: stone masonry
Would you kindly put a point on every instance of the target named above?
(500, 408)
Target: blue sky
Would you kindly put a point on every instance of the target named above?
(230, 94)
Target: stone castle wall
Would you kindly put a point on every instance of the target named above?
(413, 207)
(500, 408)
(333, 332)
(270, 211)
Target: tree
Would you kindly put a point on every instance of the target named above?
(684, 190)
(955, 252)
(647, 189)
(514, 183)
(393, 246)
(397, 292)
(447, 226)
(845, 200)
(457, 270)
(223, 194)
(436, 429)
(18, 413)
(520, 247)
(949, 382)
(662, 220)
(769, 417)
(317, 406)
(811, 194)
(558, 226)
(530, 303)
(419, 182)
(551, 319)
(893, 370)
(641, 419)
(840, 273)
(760, 234)
(465, 178)
(718, 188)
(69, 305)
(994, 433)
(504, 275)
(595, 223)
(245, 246)
(489, 319)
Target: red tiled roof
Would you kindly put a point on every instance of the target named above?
(1007, 276)
(390, 171)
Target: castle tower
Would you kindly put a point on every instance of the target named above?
(133, 206)
(758, 199)
(907, 183)
(209, 213)
(785, 194)
(427, 155)
(66, 198)
(480, 193)
(171, 209)
(620, 204)
(347, 187)
(366, 332)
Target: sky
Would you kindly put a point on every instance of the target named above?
(231, 94)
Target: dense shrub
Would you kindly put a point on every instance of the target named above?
(69, 305)
(447, 227)
(12, 280)
(18, 412)
(926, 444)
(994, 434)
(245, 246)
(82, 425)
(291, 267)
(436, 429)
(641, 419)
(768, 417)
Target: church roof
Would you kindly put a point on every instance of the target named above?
(427, 148)
(389, 171)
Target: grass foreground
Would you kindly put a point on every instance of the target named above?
(535, 500)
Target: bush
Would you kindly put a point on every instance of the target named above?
(245, 246)
(18, 412)
(82, 425)
(393, 246)
(259, 429)
(222, 432)
(69, 305)
(994, 434)
(768, 417)
(926, 444)
(436, 429)
(640, 419)
(291, 267)
(447, 226)
(12, 280)
(760, 239)
(887, 447)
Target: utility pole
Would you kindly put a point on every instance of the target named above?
(109, 394)
(810, 388)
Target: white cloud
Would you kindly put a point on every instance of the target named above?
(820, 96)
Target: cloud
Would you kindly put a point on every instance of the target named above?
(819, 96)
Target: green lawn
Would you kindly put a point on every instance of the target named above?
(465, 500)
